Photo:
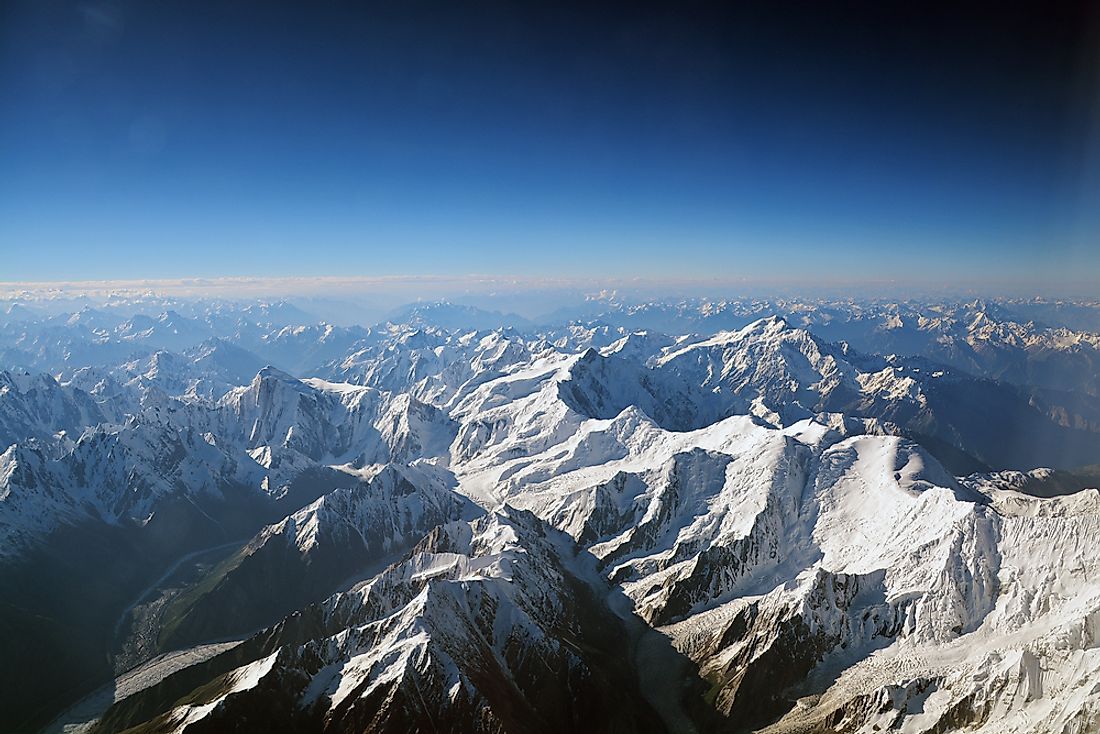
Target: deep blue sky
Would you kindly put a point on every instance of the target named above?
(840, 141)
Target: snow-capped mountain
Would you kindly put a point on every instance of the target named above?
(257, 438)
(1038, 343)
(37, 407)
(786, 374)
(752, 523)
(433, 365)
(111, 475)
(205, 372)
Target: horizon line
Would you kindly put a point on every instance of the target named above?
(258, 285)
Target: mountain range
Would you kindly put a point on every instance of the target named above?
(683, 515)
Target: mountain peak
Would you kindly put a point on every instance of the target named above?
(768, 325)
(270, 372)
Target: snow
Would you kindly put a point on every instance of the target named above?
(241, 679)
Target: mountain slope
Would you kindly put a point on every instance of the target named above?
(481, 628)
(308, 554)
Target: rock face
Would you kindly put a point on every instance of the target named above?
(580, 528)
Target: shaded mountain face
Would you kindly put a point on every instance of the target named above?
(262, 524)
(481, 627)
(344, 534)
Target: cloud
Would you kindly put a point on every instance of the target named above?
(324, 285)
(398, 288)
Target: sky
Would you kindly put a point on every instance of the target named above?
(781, 141)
